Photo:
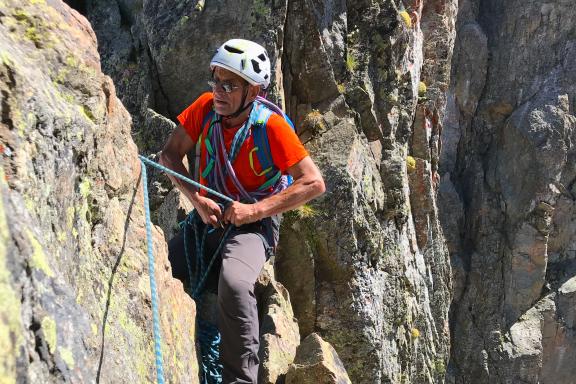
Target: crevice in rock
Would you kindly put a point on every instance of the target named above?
(111, 280)
(163, 109)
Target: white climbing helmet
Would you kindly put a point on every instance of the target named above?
(246, 59)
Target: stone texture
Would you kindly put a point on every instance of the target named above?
(279, 335)
(74, 281)
(316, 362)
(370, 271)
(507, 172)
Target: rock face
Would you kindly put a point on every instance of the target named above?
(508, 192)
(366, 265)
(73, 268)
(278, 328)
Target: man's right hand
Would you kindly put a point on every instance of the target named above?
(208, 209)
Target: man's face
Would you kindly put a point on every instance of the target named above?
(227, 103)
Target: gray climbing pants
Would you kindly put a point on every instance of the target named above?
(242, 258)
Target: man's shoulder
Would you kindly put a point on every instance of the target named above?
(205, 101)
(277, 122)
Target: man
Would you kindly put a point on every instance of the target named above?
(220, 126)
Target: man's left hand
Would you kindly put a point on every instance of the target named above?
(239, 214)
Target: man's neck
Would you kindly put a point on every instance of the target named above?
(236, 121)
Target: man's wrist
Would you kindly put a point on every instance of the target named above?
(259, 211)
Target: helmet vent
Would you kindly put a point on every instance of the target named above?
(256, 66)
(266, 77)
(262, 57)
(232, 49)
(243, 64)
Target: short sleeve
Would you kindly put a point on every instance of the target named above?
(286, 148)
(191, 118)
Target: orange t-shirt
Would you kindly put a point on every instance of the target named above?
(285, 147)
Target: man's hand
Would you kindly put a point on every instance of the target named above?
(239, 214)
(208, 210)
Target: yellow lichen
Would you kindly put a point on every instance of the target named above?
(405, 16)
(49, 330)
(410, 163)
(84, 188)
(67, 356)
(11, 330)
(38, 259)
(61, 236)
(414, 332)
(70, 217)
(422, 88)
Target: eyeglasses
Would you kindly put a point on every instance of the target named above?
(223, 85)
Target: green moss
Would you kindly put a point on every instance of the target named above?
(314, 122)
(306, 211)
(10, 323)
(49, 330)
(67, 356)
(260, 10)
(341, 87)
(351, 63)
(38, 259)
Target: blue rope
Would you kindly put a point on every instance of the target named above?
(190, 181)
(154, 293)
(208, 334)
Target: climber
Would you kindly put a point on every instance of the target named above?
(232, 154)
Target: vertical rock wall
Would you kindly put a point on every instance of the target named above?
(74, 279)
(507, 192)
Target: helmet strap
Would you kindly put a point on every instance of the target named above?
(241, 108)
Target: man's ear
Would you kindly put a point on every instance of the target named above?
(253, 91)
